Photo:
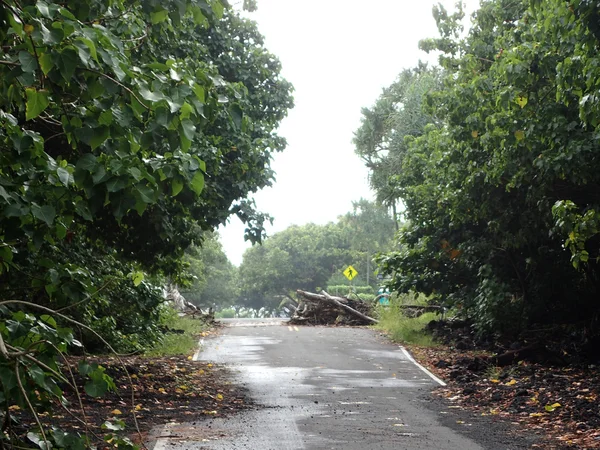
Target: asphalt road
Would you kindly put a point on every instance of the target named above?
(330, 388)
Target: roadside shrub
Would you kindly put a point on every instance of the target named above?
(343, 289)
(401, 328)
(228, 313)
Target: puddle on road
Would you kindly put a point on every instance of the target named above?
(237, 349)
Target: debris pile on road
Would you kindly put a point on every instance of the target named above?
(324, 309)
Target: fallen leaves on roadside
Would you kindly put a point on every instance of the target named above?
(560, 404)
(167, 389)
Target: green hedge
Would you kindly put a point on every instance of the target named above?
(342, 289)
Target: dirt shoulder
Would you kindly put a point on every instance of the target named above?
(555, 400)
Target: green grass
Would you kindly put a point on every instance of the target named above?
(178, 344)
(404, 329)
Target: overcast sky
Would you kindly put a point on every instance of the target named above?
(338, 54)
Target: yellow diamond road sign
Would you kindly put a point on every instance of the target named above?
(350, 272)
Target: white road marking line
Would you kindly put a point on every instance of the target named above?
(162, 441)
(290, 328)
(197, 354)
(296, 329)
(432, 376)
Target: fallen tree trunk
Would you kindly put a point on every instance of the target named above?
(324, 308)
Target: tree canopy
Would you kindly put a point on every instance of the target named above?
(501, 188)
(126, 128)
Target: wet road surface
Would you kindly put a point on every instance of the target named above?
(325, 388)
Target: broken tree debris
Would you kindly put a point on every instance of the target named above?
(324, 309)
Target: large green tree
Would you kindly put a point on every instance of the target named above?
(124, 128)
(370, 229)
(515, 139)
(397, 114)
(214, 279)
(300, 257)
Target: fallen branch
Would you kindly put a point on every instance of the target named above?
(339, 302)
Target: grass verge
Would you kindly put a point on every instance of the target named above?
(184, 343)
(405, 329)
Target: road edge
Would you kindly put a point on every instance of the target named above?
(414, 361)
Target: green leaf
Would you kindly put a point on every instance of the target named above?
(176, 186)
(44, 213)
(38, 440)
(46, 10)
(63, 175)
(15, 211)
(236, 115)
(137, 277)
(87, 162)
(100, 175)
(200, 93)
(4, 194)
(28, 62)
(46, 63)
(8, 378)
(91, 47)
(185, 142)
(96, 387)
(151, 96)
(135, 173)
(159, 16)
(218, 9)
(106, 117)
(99, 135)
(37, 101)
(116, 184)
(521, 101)
(85, 368)
(67, 63)
(146, 193)
(53, 36)
(189, 129)
(113, 426)
(197, 182)
(186, 111)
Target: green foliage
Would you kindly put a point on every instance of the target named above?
(368, 298)
(404, 329)
(342, 289)
(228, 313)
(184, 341)
(398, 114)
(311, 257)
(504, 180)
(125, 127)
(214, 278)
